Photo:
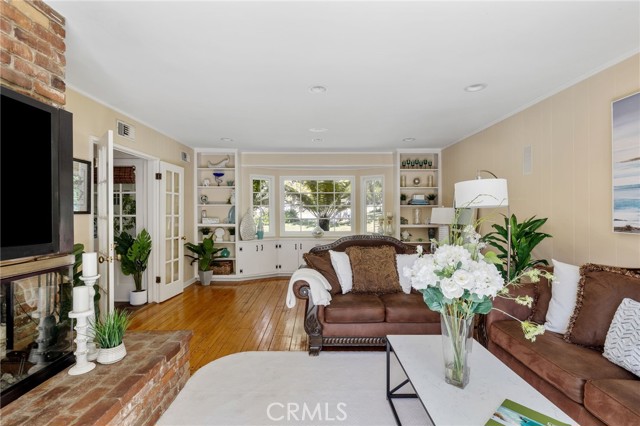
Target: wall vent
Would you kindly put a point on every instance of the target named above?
(185, 157)
(126, 130)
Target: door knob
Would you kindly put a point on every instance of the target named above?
(101, 259)
(183, 238)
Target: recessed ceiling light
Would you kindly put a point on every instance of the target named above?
(409, 139)
(317, 89)
(226, 139)
(475, 87)
(317, 140)
(318, 129)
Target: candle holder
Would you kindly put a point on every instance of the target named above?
(91, 346)
(82, 364)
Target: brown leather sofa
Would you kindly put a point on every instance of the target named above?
(579, 380)
(361, 319)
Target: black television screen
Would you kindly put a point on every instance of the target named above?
(35, 178)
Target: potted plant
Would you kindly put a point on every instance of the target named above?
(108, 335)
(205, 231)
(403, 199)
(133, 254)
(204, 254)
(432, 198)
(232, 234)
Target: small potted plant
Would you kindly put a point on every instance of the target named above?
(109, 333)
(432, 198)
(232, 234)
(403, 199)
(205, 231)
(204, 254)
(133, 254)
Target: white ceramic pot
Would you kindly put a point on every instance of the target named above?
(111, 355)
(137, 298)
(205, 277)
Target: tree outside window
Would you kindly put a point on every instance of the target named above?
(373, 191)
(324, 202)
(261, 189)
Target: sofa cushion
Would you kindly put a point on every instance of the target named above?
(615, 402)
(374, 269)
(600, 292)
(354, 308)
(564, 365)
(622, 345)
(542, 299)
(401, 307)
(564, 289)
(322, 263)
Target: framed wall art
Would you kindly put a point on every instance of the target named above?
(625, 150)
(81, 186)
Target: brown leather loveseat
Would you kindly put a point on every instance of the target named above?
(361, 318)
(570, 369)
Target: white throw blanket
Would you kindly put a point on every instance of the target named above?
(318, 285)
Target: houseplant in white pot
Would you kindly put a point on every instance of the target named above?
(133, 254)
(204, 253)
(109, 333)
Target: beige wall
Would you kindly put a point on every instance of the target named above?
(570, 134)
(318, 164)
(92, 119)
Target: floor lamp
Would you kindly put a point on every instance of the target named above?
(485, 193)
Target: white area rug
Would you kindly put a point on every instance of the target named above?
(292, 388)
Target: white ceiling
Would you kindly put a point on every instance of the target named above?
(206, 70)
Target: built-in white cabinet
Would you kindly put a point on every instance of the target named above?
(290, 253)
(215, 190)
(273, 256)
(257, 257)
(419, 177)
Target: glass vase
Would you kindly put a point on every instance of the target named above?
(457, 338)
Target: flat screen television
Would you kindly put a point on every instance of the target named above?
(36, 166)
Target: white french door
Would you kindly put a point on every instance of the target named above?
(105, 246)
(171, 247)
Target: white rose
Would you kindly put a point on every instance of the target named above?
(463, 279)
(450, 289)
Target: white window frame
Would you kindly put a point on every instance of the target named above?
(351, 178)
(363, 201)
(272, 219)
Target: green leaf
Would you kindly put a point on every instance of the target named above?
(433, 298)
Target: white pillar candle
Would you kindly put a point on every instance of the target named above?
(89, 264)
(80, 298)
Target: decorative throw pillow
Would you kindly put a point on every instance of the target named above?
(342, 266)
(542, 297)
(322, 264)
(403, 260)
(622, 344)
(374, 269)
(600, 292)
(564, 289)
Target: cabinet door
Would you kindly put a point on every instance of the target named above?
(257, 257)
(289, 255)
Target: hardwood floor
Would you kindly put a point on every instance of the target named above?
(230, 317)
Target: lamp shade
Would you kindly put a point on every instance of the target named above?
(465, 216)
(442, 215)
(481, 193)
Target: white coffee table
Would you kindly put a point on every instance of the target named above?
(491, 382)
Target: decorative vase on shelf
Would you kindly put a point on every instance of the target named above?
(247, 227)
(457, 338)
(260, 230)
(317, 232)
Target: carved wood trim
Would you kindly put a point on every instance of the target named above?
(367, 240)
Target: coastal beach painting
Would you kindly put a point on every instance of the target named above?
(625, 137)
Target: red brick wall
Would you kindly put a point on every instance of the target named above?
(32, 50)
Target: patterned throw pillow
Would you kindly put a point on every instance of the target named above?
(374, 269)
(622, 345)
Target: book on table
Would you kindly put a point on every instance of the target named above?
(510, 413)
